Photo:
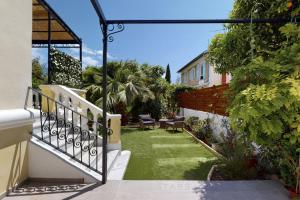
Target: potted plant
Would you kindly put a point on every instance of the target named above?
(293, 194)
(191, 122)
(198, 131)
(171, 115)
(208, 133)
(203, 131)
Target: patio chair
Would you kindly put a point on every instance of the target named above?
(178, 122)
(146, 121)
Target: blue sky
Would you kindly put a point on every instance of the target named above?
(154, 44)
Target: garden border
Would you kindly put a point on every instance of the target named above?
(206, 146)
(211, 171)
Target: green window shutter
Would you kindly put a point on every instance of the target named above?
(207, 72)
(204, 70)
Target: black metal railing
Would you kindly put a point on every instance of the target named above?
(67, 130)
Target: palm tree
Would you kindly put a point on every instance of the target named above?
(124, 87)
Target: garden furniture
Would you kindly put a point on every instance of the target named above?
(146, 121)
(178, 122)
(163, 122)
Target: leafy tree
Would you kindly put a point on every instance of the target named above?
(132, 88)
(38, 76)
(92, 76)
(125, 85)
(268, 108)
(264, 92)
(168, 74)
(153, 79)
(241, 42)
(170, 102)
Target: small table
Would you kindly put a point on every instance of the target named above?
(163, 123)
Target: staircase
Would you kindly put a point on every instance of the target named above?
(69, 128)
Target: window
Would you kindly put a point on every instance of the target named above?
(186, 77)
(206, 72)
(202, 68)
(182, 77)
(192, 74)
(198, 71)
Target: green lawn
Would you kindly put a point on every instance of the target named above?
(162, 155)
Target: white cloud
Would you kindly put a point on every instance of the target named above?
(92, 52)
(36, 53)
(39, 53)
(88, 51)
(88, 60)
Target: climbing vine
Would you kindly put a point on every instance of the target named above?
(66, 69)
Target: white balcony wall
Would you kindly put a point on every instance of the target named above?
(15, 52)
(15, 77)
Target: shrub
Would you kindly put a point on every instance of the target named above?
(237, 150)
(201, 128)
(267, 102)
(236, 163)
(191, 122)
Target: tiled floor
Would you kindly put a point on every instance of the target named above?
(159, 190)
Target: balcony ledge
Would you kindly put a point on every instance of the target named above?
(17, 117)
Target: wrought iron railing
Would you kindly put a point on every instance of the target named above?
(67, 130)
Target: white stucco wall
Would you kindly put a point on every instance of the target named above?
(216, 120)
(214, 78)
(15, 52)
(43, 164)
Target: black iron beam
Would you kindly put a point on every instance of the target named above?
(55, 42)
(104, 104)
(51, 31)
(49, 50)
(99, 11)
(42, 19)
(202, 21)
(104, 28)
(56, 16)
(80, 60)
(61, 46)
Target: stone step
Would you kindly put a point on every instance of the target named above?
(118, 169)
(82, 156)
(72, 152)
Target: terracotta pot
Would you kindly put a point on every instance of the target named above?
(274, 177)
(252, 162)
(206, 142)
(293, 194)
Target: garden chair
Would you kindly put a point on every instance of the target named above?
(178, 122)
(146, 121)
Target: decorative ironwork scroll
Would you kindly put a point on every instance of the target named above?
(113, 29)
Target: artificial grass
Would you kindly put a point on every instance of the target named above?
(163, 155)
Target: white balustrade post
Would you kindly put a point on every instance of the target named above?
(95, 124)
(76, 116)
(84, 120)
(70, 105)
(114, 140)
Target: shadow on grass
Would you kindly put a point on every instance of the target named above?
(200, 172)
(173, 132)
(130, 130)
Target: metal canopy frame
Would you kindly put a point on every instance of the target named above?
(75, 42)
(110, 27)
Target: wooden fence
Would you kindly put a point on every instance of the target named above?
(210, 100)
